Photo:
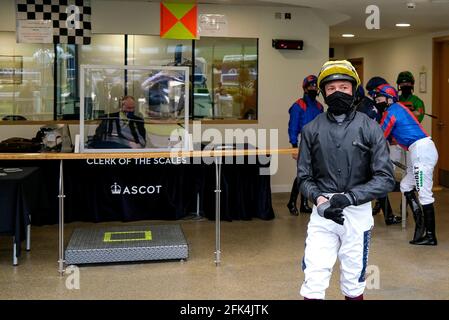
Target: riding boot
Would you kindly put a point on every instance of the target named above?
(376, 208)
(429, 239)
(413, 203)
(389, 217)
(291, 205)
(304, 205)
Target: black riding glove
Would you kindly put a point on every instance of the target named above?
(341, 200)
(327, 211)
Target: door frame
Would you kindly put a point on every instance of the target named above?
(437, 45)
(360, 61)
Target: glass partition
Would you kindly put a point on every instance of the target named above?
(225, 78)
(146, 50)
(105, 49)
(67, 93)
(41, 81)
(26, 79)
(133, 107)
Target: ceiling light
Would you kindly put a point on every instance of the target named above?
(348, 35)
(402, 25)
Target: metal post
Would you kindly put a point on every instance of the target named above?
(15, 261)
(404, 211)
(404, 200)
(61, 197)
(28, 248)
(198, 205)
(217, 210)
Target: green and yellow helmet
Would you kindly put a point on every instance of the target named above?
(338, 70)
(405, 76)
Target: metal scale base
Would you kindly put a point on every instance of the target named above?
(126, 244)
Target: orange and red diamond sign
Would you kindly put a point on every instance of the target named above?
(179, 20)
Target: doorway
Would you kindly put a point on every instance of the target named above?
(358, 65)
(440, 103)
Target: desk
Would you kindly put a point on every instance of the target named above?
(214, 154)
(19, 196)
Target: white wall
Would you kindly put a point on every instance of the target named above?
(7, 15)
(280, 72)
(339, 52)
(388, 58)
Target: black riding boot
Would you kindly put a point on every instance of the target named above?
(389, 217)
(291, 205)
(304, 205)
(429, 238)
(376, 208)
(413, 203)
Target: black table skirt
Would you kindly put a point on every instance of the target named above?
(245, 193)
(21, 194)
(89, 197)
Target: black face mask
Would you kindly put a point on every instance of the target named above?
(312, 94)
(406, 91)
(339, 103)
(381, 106)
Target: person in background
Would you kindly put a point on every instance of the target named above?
(343, 165)
(406, 85)
(400, 123)
(368, 107)
(123, 129)
(302, 112)
(365, 105)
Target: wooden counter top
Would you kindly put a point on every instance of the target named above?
(138, 155)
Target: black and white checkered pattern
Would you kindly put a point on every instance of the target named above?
(69, 26)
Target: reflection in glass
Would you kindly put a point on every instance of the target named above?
(67, 100)
(154, 51)
(30, 95)
(225, 79)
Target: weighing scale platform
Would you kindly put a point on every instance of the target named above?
(126, 244)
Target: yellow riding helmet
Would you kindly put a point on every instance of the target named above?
(338, 70)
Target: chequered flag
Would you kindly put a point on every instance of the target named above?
(70, 18)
